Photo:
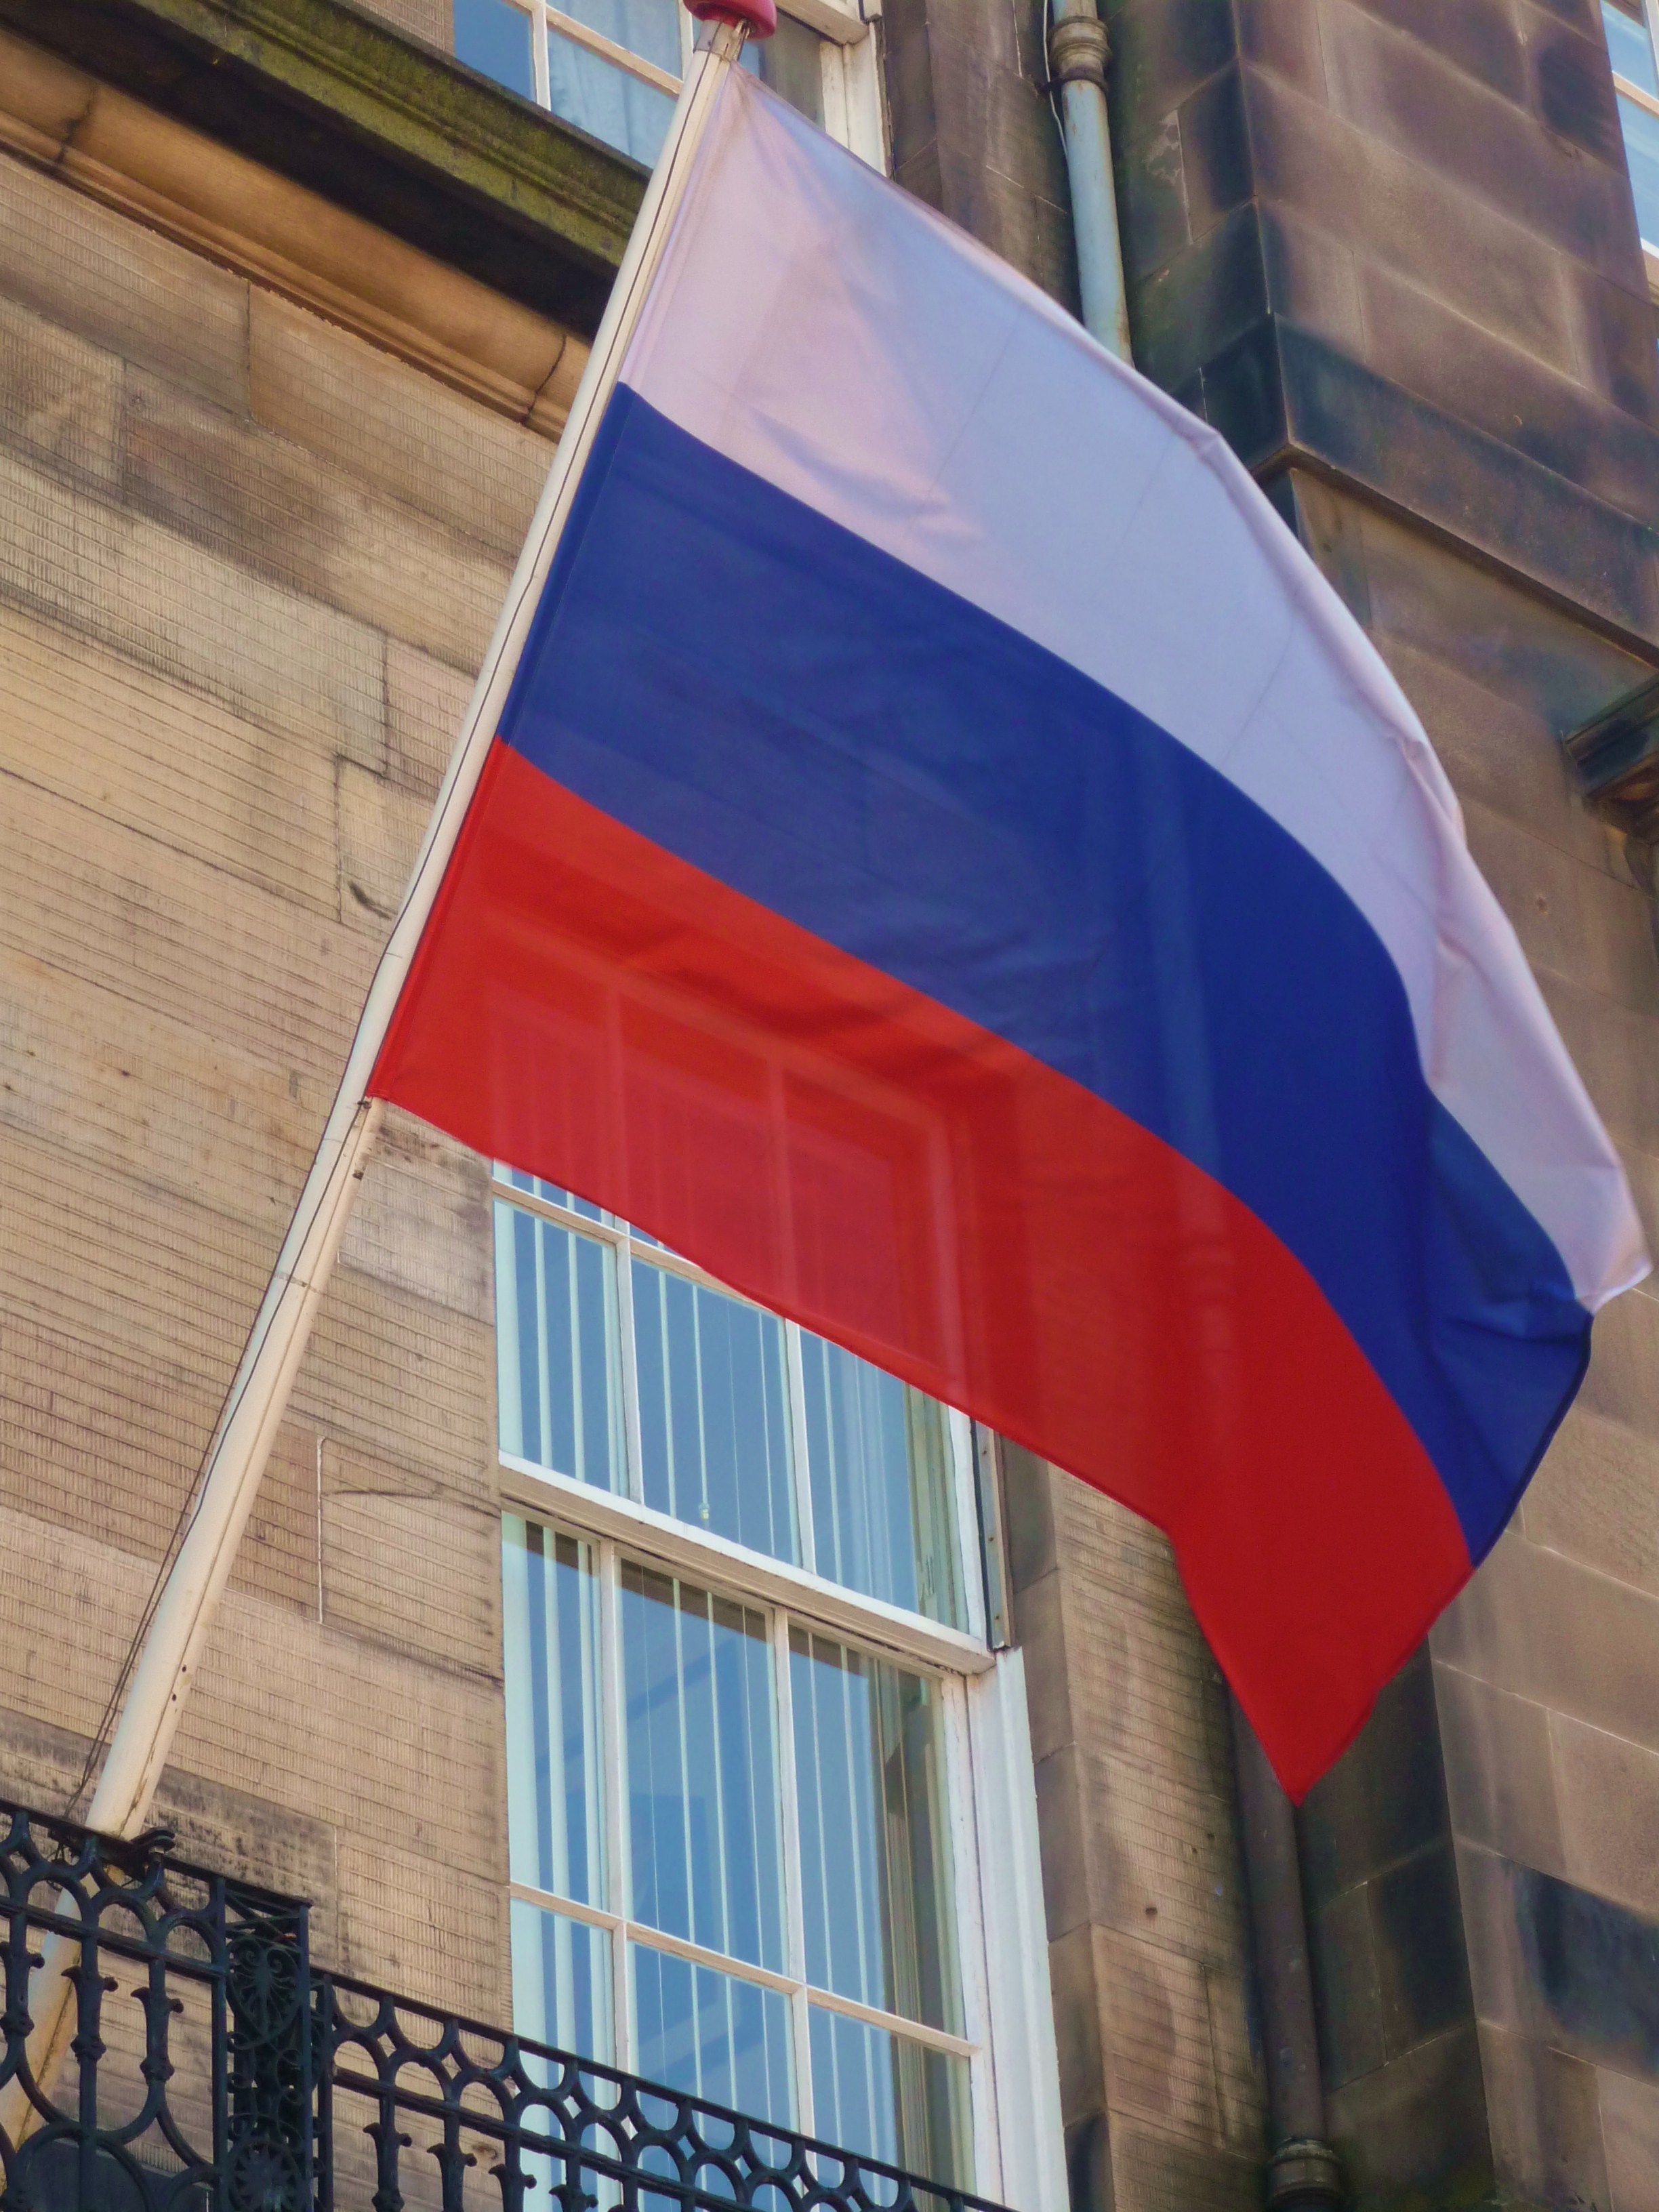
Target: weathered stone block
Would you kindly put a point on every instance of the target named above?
(1186, 315)
(1282, 36)
(1501, 756)
(144, 750)
(1064, 1841)
(1155, 2170)
(1162, 51)
(1573, 919)
(442, 1603)
(1615, 342)
(1545, 2121)
(1162, 1861)
(1040, 1618)
(1482, 624)
(1542, 1626)
(1215, 152)
(1571, 90)
(1347, 1991)
(96, 272)
(1155, 2027)
(1423, 1978)
(1405, 95)
(1312, 278)
(1382, 202)
(1415, 2130)
(360, 1382)
(197, 945)
(124, 1267)
(1479, 37)
(408, 1920)
(423, 1226)
(1150, 181)
(405, 1759)
(1077, 2024)
(1500, 1772)
(1593, 1499)
(1609, 1791)
(1142, 1685)
(1384, 1800)
(270, 506)
(1589, 1968)
(431, 20)
(94, 1443)
(277, 1560)
(1630, 2136)
(1622, 1360)
(299, 670)
(426, 702)
(1499, 388)
(378, 828)
(127, 1092)
(60, 396)
(392, 429)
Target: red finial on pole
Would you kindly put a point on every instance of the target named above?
(758, 17)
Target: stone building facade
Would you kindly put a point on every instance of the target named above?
(292, 308)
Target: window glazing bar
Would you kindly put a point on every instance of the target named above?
(1634, 94)
(566, 27)
(752, 1577)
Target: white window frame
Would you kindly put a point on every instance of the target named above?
(853, 110)
(1008, 2039)
(1639, 97)
(610, 1513)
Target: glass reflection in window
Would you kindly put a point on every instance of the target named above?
(711, 2035)
(713, 1410)
(879, 1457)
(706, 1857)
(877, 2092)
(875, 1845)
(556, 1349)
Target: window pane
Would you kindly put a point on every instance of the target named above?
(606, 101)
(701, 1768)
(791, 62)
(877, 2092)
(1629, 47)
(650, 28)
(1642, 153)
(711, 2035)
(493, 37)
(713, 1410)
(878, 1453)
(556, 1350)
(875, 1841)
(549, 1636)
(553, 1192)
(561, 1983)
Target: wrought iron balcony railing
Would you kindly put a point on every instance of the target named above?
(210, 2067)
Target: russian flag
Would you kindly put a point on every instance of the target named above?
(949, 864)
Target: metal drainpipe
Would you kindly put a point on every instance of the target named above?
(1303, 2172)
(1078, 52)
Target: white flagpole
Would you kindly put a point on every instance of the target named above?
(259, 1394)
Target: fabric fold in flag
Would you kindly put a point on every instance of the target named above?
(951, 865)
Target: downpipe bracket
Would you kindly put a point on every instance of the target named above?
(1304, 2175)
(1078, 51)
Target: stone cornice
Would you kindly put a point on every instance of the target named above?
(379, 123)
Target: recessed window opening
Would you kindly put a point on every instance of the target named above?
(624, 1368)
(732, 1852)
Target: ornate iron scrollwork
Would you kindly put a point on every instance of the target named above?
(211, 2068)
